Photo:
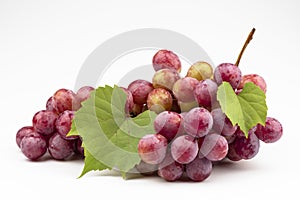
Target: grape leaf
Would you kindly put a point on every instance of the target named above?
(246, 109)
(110, 137)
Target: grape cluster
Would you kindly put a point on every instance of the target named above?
(50, 127)
(192, 132)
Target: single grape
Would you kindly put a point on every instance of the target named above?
(59, 148)
(165, 78)
(183, 89)
(44, 122)
(168, 124)
(152, 148)
(246, 148)
(82, 95)
(232, 155)
(214, 147)
(169, 169)
(129, 101)
(198, 122)
(33, 146)
(64, 99)
(146, 169)
(240, 133)
(165, 59)
(254, 78)
(199, 169)
(229, 73)
(50, 105)
(206, 93)
(271, 132)
(184, 149)
(200, 71)
(159, 100)
(63, 124)
(22, 132)
(221, 123)
(140, 90)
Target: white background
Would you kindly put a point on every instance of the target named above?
(44, 43)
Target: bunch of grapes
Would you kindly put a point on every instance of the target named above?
(192, 132)
(50, 127)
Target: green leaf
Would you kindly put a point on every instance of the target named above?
(110, 137)
(246, 109)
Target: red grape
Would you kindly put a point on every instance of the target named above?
(165, 59)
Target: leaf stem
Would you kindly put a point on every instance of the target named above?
(249, 38)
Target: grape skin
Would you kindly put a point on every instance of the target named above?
(64, 99)
(159, 100)
(221, 123)
(33, 146)
(165, 78)
(206, 93)
(254, 78)
(165, 59)
(183, 89)
(246, 148)
(22, 132)
(63, 124)
(198, 122)
(152, 148)
(228, 72)
(184, 149)
(199, 169)
(168, 124)
(214, 147)
(82, 95)
(44, 122)
(59, 148)
(200, 71)
(140, 90)
(232, 155)
(169, 169)
(271, 132)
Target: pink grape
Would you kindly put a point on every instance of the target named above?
(140, 90)
(63, 124)
(254, 78)
(169, 169)
(82, 95)
(64, 99)
(214, 147)
(271, 132)
(228, 72)
(183, 89)
(198, 122)
(168, 124)
(44, 122)
(184, 149)
(246, 148)
(33, 146)
(152, 148)
(165, 59)
(22, 132)
(199, 169)
(59, 148)
(206, 93)
(221, 123)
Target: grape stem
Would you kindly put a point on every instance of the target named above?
(249, 38)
